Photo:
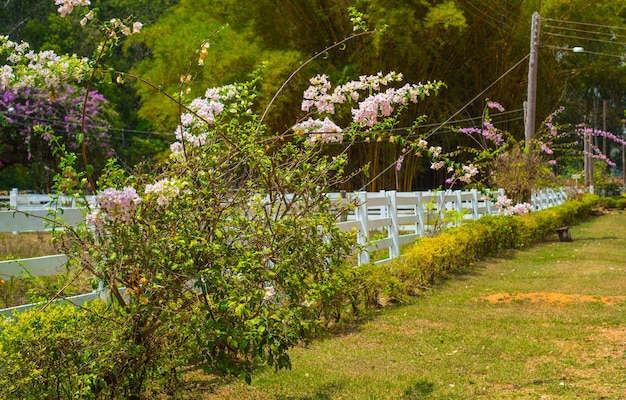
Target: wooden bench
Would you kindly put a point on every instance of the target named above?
(564, 235)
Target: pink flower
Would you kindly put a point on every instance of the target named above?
(399, 162)
(470, 170)
(503, 203)
(437, 165)
(270, 293)
(119, 204)
(165, 190)
(95, 218)
(435, 151)
(67, 6)
(546, 149)
(505, 206)
(495, 106)
(137, 27)
(326, 131)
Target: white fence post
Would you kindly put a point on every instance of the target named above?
(475, 200)
(459, 202)
(13, 198)
(419, 210)
(363, 234)
(394, 229)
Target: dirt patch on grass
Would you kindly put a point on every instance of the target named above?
(550, 297)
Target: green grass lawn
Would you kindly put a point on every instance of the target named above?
(543, 323)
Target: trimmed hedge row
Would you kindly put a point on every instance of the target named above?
(457, 248)
(613, 202)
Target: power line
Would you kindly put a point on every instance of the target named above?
(584, 38)
(484, 16)
(63, 122)
(586, 24)
(495, 117)
(582, 50)
(611, 34)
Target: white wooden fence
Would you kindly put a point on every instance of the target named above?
(42, 266)
(383, 220)
(33, 210)
(403, 217)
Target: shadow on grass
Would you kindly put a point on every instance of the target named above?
(420, 389)
(589, 239)
(325, 392)
(195, 380)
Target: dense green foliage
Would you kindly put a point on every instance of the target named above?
(68, 352)
(467, 44)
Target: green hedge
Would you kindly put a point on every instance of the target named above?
(457, 248)
(66, 352)
(613, 202)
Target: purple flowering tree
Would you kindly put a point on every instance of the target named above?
(33, 119)
(516, 166)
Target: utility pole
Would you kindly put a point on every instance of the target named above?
(533, 63)
(587, 160)
(604, 111)
(624, 152)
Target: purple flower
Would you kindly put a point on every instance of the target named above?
(495, 106)
(27, 107)
(399, 162)
(119, 205)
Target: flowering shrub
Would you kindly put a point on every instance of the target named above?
(501, 161)
(235, 235)
(23, 68)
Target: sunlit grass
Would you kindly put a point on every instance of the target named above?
(451, 343)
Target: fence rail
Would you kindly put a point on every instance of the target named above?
(29, 201)
(383, 220)
(403, 217)
(33, 212)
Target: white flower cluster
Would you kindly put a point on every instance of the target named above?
(165, 190)
(318, 97)
(67, 6)
(505, 206)
(114, 204)
(25, 68)
(325, 131)
(193, 130)
(469, 171)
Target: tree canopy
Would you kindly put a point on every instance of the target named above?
(477, 48)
